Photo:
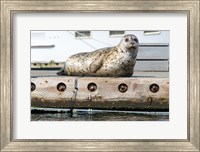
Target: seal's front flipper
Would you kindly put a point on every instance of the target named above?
(61, 72)
(96, 64)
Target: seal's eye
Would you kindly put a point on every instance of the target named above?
(126, 39)
(136, 40)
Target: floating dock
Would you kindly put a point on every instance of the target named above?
(128, 93)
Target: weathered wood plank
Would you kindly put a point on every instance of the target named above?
(109, 93)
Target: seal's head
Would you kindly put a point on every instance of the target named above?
(129, 42)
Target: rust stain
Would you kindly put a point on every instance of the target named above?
(97, 97)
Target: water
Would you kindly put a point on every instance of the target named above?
(97, 115)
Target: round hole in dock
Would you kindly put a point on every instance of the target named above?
(92, 87)
(123, 87)
(61, 87)
(154, 88)
(33, 86)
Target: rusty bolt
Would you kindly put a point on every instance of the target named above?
(61, 87)
(154, 88)
(92, 87)
(33, 87)
(123, 88)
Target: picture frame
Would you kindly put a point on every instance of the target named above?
(9, 8)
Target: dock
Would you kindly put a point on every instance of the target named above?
(143, 91)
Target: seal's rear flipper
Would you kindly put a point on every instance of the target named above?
(61, 72)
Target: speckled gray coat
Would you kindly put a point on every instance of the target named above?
(114, 61)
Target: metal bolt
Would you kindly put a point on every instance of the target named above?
(61, 87)
(154, 88)
(92, 87)
(123, 88)
(33, 86)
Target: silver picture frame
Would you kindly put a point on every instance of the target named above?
(9, 8)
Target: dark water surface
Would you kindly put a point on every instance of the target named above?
(97, 115)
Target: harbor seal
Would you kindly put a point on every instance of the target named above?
(118, 61)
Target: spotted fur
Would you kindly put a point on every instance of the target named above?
(113, 61)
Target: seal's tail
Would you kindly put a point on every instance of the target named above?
(61, 72)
